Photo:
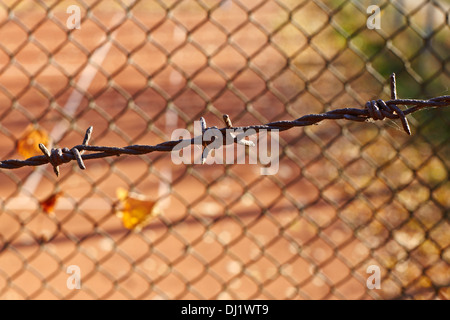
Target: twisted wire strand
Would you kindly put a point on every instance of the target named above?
(374, 109)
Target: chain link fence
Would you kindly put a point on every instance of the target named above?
(350, 201)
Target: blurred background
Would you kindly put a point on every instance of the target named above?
(347, 195)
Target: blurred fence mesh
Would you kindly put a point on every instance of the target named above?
(346, 196)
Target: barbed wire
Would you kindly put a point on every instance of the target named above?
(374, 109)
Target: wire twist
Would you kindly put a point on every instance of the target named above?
(58, 156)
(374, 109)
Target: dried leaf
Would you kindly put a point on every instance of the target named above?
(28, 145)
(136, 211)
(48, 205)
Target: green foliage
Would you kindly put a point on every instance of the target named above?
(414, 45)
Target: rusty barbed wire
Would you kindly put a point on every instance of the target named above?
(374, 109)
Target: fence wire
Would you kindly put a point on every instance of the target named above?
(348, 198)
(375, 109)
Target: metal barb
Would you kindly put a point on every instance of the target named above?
(88, 135)
(79, 159)
(51, 158)
(227, 121)
(393, 87)
(203, 124)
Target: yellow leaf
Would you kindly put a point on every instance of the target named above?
(28, 145)
(48, 205)
(122, 194)
(136, 211)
